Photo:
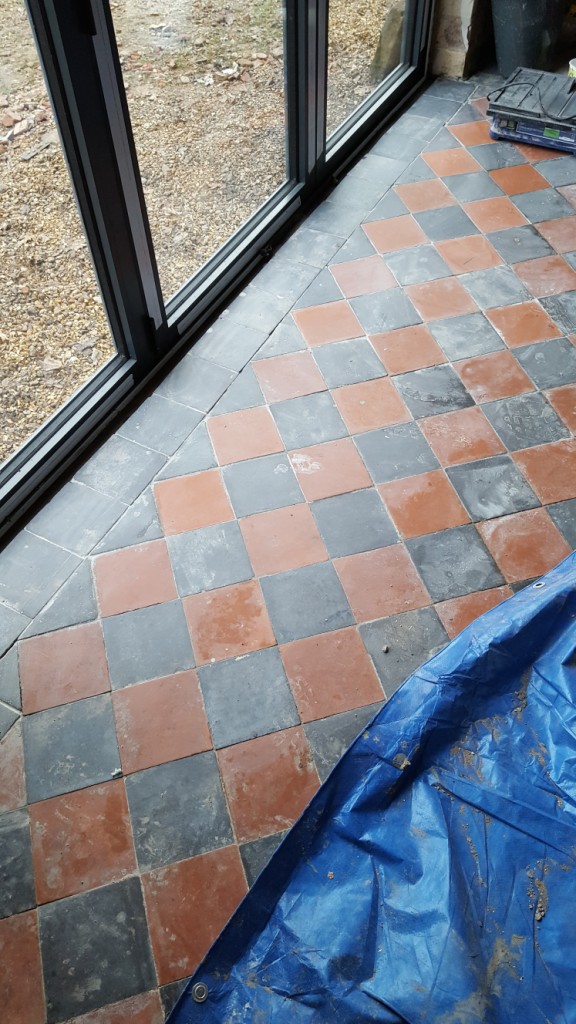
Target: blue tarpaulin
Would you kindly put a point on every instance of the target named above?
(432, 876)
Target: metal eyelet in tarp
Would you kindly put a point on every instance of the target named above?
(432, 876)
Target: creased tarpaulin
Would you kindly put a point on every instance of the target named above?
(432, 877)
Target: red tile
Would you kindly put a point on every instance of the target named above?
(409, 348)
(228, 622)
(464, 255)
(188, 904)
(445, 162)
(422, 504)
(134, 578)
(363, 277)
(522, 178)
(494, 214)
(550, 469)
(244, 435)
(268, 781)
(191, 502)
(493, 376)
(21, 980)
(330, 673)
(286, 538)
(536, 153)
(63, 666)
(524, 545)
(458, 613)
(560, 233)
(291, 376)
(143, 1009)
(550, 275)
(12, 783)
(324, 470)
(81, 840)
(564, 402)
(332, 321)
(461, 436)
(474, 133)
(437, 299)
(481, 105)
(569, 193)
(523, 323)
(425, 195)
(394, 233)
(159, 721)
(379, 583)
(369, 405)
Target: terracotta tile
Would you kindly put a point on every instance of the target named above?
(550, 275)
(464, 255)
(445, 162)
(81, 840)
(475, 133)
(481, 104)
(287, 538)
(362, 277)
(536, 153)
(550, 469)
(134, 578)
(375, 403)
(324, 470)
(333, 321)
(461, 436)
(422, 504)
(458, 613)
(21, 981)
(159, 721)
(569, 193)
(522, 324)
(410, 348)
(291, 376)
(437, 299)
(495, 375)
(522, 178)
(190, 502)
(525, 545)
(12, 782)
(330, 673)
(395, 233)
(142, 1009)
(188, 904)
(228, 622)
(560, 233)
(379, 583)
(425, 195)
(268, 781)
(247, 434)
(62, 666)
(564, 401)
(494, 214)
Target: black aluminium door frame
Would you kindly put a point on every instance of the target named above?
(78, 52)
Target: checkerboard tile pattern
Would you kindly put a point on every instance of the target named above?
(392, 463)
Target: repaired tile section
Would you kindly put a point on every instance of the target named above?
(465, 255)
(462, 337)
(492, 487)
(395, 452)
(363, 276)
(286, 538)
(330, 673)
(349, 362)
(461, 436)
(525, 545)
(432, 391)
(455, 615)
(306, 601)
(77, 517)
(382, 582)
(74, 603)
(394, 233)
(525, 421)
(190, 502)
(549, 275)
(330, 737)
(20, 958)
(228, 623)
(493, 376)
(423, 504)
(206, 559)
(134, 578)
(523, 323)
(244, 435)
(12, 781)
(563, 400)
(256, 855)
(454, 562)
(309, 420)
(147, 644)
(121, 469)
(63, 666)
(550, 470)
(369, 405)
(410, 640)
(16, 872)
(333, 321)
(410, 348)
(354, 522)
(549, 363)
(145, 1008)
(437, 299)
(10, 678)
(260, 485)
(289, 376)
(32, 570)
(324, 470)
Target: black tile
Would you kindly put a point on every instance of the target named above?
(464, 336)
(10, 678)
(212, 557)
(195, 455)
(417, 265)
(161, 424)
(395, 452)
(470, 187)
(95, 949)
(139, 523)
(418, 170)
(306, 601)
(308, 420)
(259, 485)
(562, 309)
(285, 339)
(549, 363)
(559, 170)
(435, 390)
(11, 625)
(256, 855)
(492, 487)
(517, 244)
(524, 421)
(390, 206)
(410, 638)
(385, 311)
(170, 994)
(74, 603)
(496, 287)
(247, 697)
(178, 810)
(330, 737)
(77, 517)
(314, 247)
(70, 747)
(543, 204)
(348, 362)
(522, 585)
(8, 715)
(563, 514)
(446, 222)
(443, 139)
(494, 155)
(121, 468)
(230, 344)
(354, 522)
(257, 307)
(147, 643)
(196, 382)
(323, 289)
(357, 246)
(454, 562)
(16, 871)
(31, 571)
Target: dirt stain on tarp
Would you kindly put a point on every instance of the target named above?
(476, 1008)
(538, 891)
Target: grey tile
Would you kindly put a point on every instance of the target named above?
(330, 737)
(138, 524)
(284, 340)
(516, 244)
(178, 810)
(229, 344)
(16, 871)
(77, 517)
(543, 204)
(454, 562)
(378, 169)
(95, 949)
(304, 602)
(170, 994)
(285, 279)
(308, 420)
(416, 126)
(390, 206)
(74, 603)
(161, 424)
(196, 382)
(395, 452)
(522, 585)
(8, 715)
(411, 638)
(360, 193)
(558, 171)
(432, 391)
(314, 247)
(496, 287)
(562, 309)
(31, 571)
(195, 455)
(354, 522)
(443, 139)
(397, 145)
(260, 485)
(465, 336)
(418, 170)
(212, 557)
(492, 487)
(494, 155)
(435, 106)
(255, 855)
(524, 421)
(357, 246)
(470, 187)
(467, 113)
(121, 469)
(147, 643)
(385, 311)
(334, 218)
(257, 308)
(247, 697)
(12, 623)
(549, 363)
(451, 89)
(70, 747)
(447, 222)
(563, 513)
(570, 258)
(323, 289)
(10, 678)
(417, 265)
(348, 362)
